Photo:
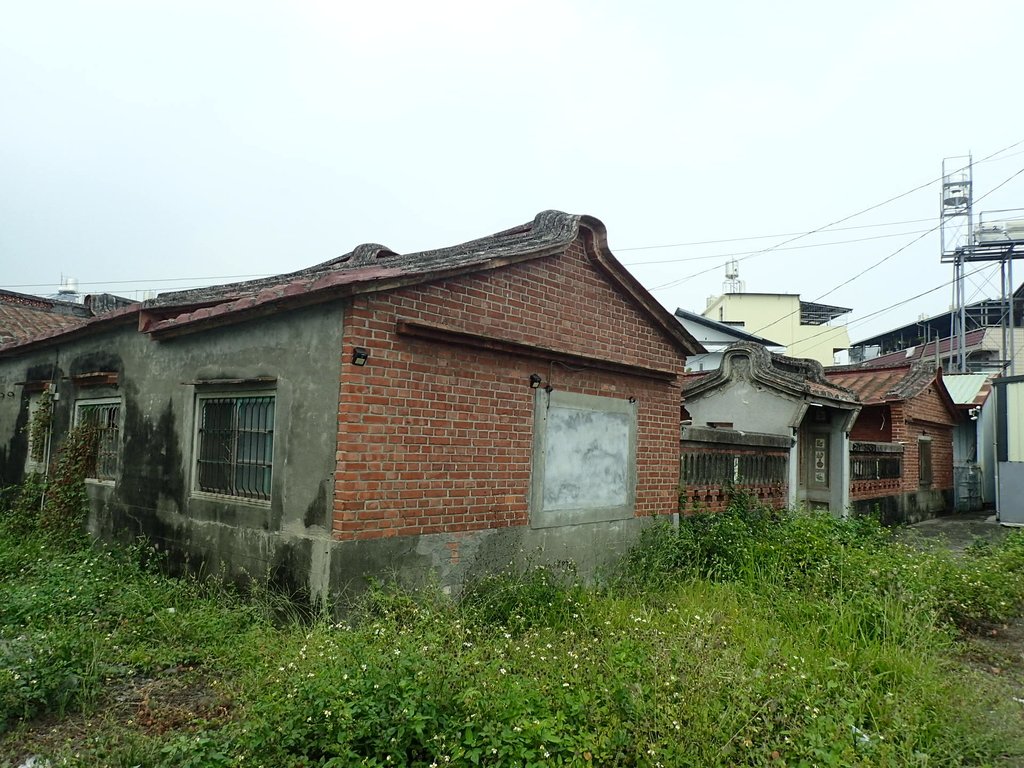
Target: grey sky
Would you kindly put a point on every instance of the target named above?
(173, 144)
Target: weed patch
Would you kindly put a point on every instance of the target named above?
(755, 637)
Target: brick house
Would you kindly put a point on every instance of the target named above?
(902, 442)
(425, 413)
(769, 425)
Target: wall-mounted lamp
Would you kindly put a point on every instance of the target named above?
(360, 355)
(534, 380)
(632, 400)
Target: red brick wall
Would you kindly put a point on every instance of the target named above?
(874, 424)
(927, 415)
(715, 497)
(924, 415)
(436, 437)
(873, 489)
(929, 406)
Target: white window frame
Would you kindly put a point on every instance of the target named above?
(197, 444)
(83, 403)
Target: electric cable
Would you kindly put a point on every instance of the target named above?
(886, 258)
(845, 218)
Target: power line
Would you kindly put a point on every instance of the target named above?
(787, 248)
(889, 308)
(1007, 148)
(891, 255)
(152, 280)
(768, 237)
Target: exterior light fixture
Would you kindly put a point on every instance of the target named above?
(359, 356)
(534, 380)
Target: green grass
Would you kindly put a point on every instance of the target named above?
(747, 638)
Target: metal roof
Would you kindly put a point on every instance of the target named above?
(964, 387)
(812, 313)
(732, 330)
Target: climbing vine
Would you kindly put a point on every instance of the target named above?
(56, 507)
(39, 426)
(66, 503)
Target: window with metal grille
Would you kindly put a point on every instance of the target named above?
(235, 445)
(875, 467)
(104, 418)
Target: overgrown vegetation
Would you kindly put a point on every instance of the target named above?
(753, 637)
(55, 507)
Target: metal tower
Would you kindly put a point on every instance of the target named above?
(997, 236)
(955, 228)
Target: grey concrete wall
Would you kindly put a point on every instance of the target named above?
(450, 560)
(286, 539)
(906, 508)
(748, 406)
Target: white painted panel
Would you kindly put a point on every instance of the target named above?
(1015, 421)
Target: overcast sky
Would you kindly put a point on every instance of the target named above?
(160, 145)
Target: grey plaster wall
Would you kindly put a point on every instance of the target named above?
(584, 468)
(748, 406)
(286, 539)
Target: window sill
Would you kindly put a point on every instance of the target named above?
(225, 498)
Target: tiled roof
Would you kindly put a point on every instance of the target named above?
(550, 231)
(23, 316)
(372, 267)
(882, 384)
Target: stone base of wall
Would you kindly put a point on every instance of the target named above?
(310, 566)
(906, 508)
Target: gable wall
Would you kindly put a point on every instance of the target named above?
(437, 437)
(874, 424)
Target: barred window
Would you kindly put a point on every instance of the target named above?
(104, 417)
(875, 467)
(235, 445)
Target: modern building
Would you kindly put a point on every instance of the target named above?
(985, 351)
(804, 328)
(715, 337)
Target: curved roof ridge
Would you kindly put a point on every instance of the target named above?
(549, 228)
(793, 374)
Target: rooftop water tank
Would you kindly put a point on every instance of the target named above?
(1007, 231)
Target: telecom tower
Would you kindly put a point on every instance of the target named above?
(732, 283)
(997, 236)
